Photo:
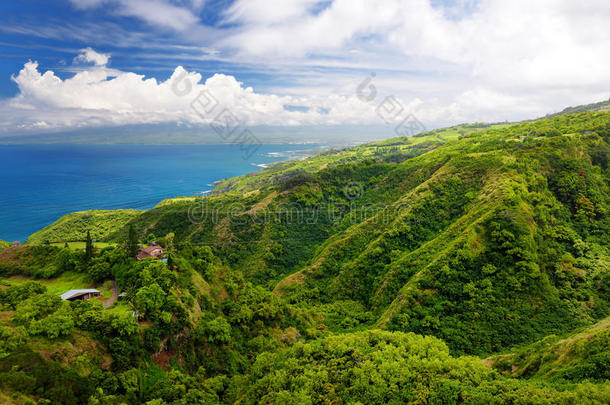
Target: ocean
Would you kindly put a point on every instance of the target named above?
(40, 183)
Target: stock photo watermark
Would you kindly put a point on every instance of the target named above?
(204, 210)
(390, 110)
(221, 119)
(227, 125)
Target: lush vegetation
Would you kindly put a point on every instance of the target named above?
(73, 227)
(377, 367)
(581, 356)
(467, 264)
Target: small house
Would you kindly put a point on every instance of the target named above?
(16, 243)
(151, 251)
(84, 294)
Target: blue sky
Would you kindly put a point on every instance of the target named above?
(40, 30)
(52, 33)
(296, 62)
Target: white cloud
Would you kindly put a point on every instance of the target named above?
(101, 96)
(265, 12)
(155, 12)
(532, 56)
(491, 60)
(88, 55)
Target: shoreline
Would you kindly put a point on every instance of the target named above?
(168, 189)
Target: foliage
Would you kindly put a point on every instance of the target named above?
(348, 277)
(4, 245)
(74, 226)
(376, 367)
(44, 314)
(131, 244)
(14, 295)
(88, 247)
(578, 357)
(28, 372)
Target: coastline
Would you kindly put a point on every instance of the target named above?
(116, 177)
(289, 154)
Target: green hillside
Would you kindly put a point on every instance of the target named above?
(74, 226)
(467, 264)
(599, 106)
(580, 356)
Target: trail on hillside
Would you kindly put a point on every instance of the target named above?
(115, 294)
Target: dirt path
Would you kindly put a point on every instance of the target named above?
(115, 294)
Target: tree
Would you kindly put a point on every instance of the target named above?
(123, 324)
(132, 242)
(216, 331)
(67, 260)
(99, 271)
(88, 247)
(17, 294)
(170, 261)
(59, 323)
(35, 308)
(149, 299)
(169, 242)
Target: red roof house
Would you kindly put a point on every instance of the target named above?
(151, 251)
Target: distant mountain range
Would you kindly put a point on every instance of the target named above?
(172, 133)
(601, 106)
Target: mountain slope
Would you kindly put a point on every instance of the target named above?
(499, 246)
(580, 356)
(309, 279)
(599, 106)
(484, 236)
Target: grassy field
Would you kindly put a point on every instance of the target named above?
(120, 307)
(81, 245)
(66, 282)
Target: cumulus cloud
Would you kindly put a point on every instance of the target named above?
(101, 96)
(448, 62)
(496, 32)
(88, 55)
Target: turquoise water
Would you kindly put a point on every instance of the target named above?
(40, 183)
